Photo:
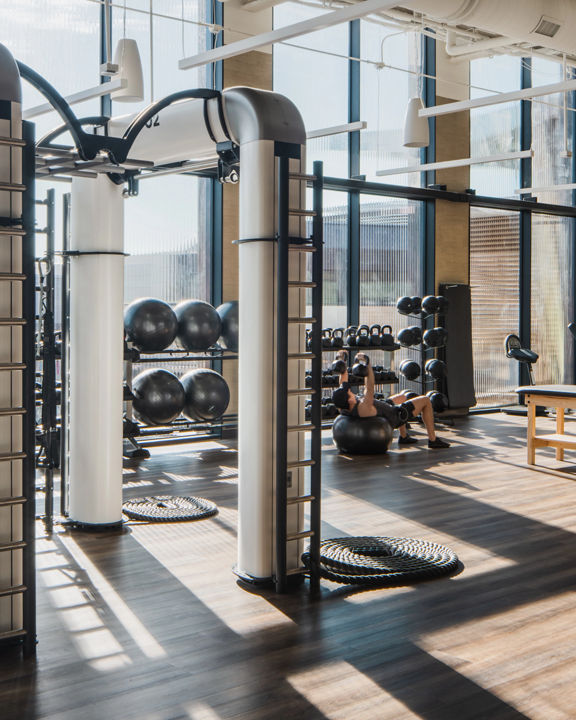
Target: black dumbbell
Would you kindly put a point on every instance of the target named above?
(406, 337)
(410, 369)
(436, 368)
(416, 333)
(430, 304)
(404, 305)
(416, 304)
(438, 400)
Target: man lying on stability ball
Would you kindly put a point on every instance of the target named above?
(397, 409)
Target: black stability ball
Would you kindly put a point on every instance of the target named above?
(207, 394)
(404, 305)
(158, 397)
(199, 325)
(150, 324)
(228, 313)
(362, 436)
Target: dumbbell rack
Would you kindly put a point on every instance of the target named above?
(425, 381)
(17, 370)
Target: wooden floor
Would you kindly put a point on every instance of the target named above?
(151, 623)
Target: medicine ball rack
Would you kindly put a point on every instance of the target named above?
(166, 434)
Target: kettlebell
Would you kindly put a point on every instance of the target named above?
(351, 336)
(327, 338)
(375, 335)
(338, 337)
(387, 339)
(360, 369)
(339, 366)
(363, 336)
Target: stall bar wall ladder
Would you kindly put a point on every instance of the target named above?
(287, 245)
(17, 405)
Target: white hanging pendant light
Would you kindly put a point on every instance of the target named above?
(416, 131)
(127, 57)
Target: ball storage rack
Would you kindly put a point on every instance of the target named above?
(180, 430)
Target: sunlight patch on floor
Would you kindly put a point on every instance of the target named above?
(340, 692)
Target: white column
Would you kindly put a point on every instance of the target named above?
(96, 351)
(257, 358)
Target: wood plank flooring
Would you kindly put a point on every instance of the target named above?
(151, 623)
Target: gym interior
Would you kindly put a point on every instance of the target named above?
(205, 203)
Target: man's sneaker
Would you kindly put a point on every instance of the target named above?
(408, 440)
(438, 443)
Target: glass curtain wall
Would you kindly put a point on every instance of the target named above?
(552, 279)
(167, 225)
(494, 243)
(388, 79)
(494, 234)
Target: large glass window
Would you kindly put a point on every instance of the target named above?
(495, 129)
(552, 298)
(495, 290)
(386, 85)
(316, 81)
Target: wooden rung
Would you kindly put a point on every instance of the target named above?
(12, 187)
(302, 177)
(297, 571)
(12, 322)
(302, 213)
(12, 501)
(302, 320)
(8, 457)
(12, 277)
(300, 463)
(300, 391)
(301, 284)
(8, 230)
(10, 412)
(300, 535)
(302, 248)
(14, 590)
(301, 356)
(301, 428)
(300, 499)
(12, 546)
(12, 366)
(13, 142)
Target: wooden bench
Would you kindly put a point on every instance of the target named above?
(559, 397)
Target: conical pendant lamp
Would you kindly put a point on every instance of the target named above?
(127, 57)
(416, 131)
